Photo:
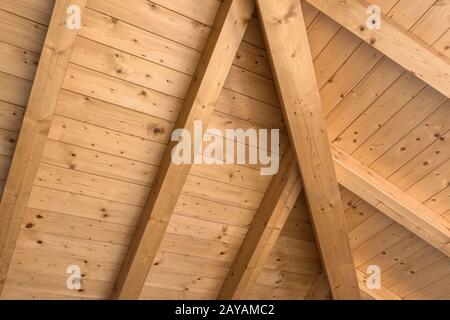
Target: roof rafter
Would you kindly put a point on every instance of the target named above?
(264, 231)
(288, 46)
(357, 178)
(215, 63)
(391, 41)
(392, 201)
(37, 120)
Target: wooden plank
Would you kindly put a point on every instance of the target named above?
(361, 62)
(202, 11)
(409, 266)
(122, 65)
(173, 262)
(5, 162)
(82, 228)
(83, 206)
(423, 164)
(113, 117)
(443, 45)
(257, 87)
(47, 86)
(264, 231)
(122, 36)
(406, 13)
(29, 260)
(337, 51)
(126, 94)
(436, 290)
(434, 23)
(377, 294)
(396, 254)
(157, 20)
(18, 62)
(187, 245)
(406, 149)
(21, 32)
(14, 90)
(186, 282)
(89, 161)
(392, 201)
(42, 284)
(363, 96)
(71, 181)
(424, 104)
(416, 281)
(385, 239)
(201, 229)
(105, 140)
(7, 142)
(199, 104)
(213, 211)
(11, 116)
(391, 41)
(62, 245)
(379, 112)
(320, 33)
(35, 10)
(287, 41)
(320, 289)
(296, 282)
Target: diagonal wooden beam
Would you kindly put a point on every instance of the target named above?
(392, 201)
(47, 85)
(391, 41)
(359, 179)
(290, 56)
(264, 231)
(223, 43)
(320, 289)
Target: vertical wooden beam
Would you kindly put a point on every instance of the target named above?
(264, 231)
(47, 85)
(290, 56)
(223, 43)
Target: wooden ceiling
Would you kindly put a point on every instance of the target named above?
(91, 183)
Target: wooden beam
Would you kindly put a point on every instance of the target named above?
(377, 294)
(215, 63)
(290, 56)
(263, 235)
(47, 85)
(264, 231)
(320, 289)
(391, 41)
(392, 201)
(261, 238)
